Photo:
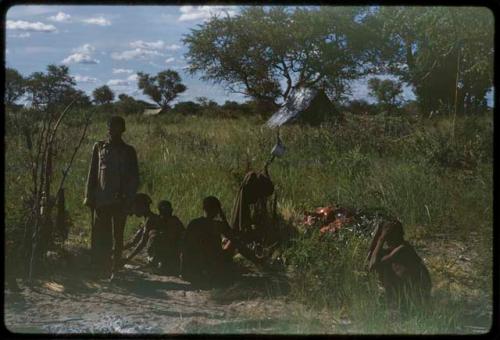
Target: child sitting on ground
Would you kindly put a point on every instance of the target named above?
(174, 235)
(152, 234)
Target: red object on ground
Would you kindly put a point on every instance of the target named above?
(328, 219)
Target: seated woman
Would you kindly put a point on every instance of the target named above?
(402, 272)
(204, 261)
(174, 235)
(152, 235)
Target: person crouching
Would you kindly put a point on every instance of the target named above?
(402, 272)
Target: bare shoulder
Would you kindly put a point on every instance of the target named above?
(200, 221)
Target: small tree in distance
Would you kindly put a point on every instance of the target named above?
(14, 86)
(387, 91)
(162, 88)
(103, 95)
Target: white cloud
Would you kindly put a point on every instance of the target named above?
(81, 55)
(118, 82)
(138, 53)
(122, 70)
(129, 82)
(84, 79)
(189, 13)
(85, 48)
(153, 45)
(132, 77)
(60, 17)
(79, 58)
(101, 21)
(172, 47)
(20, 25)
(169, 60)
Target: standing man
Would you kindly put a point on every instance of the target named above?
(111, 187)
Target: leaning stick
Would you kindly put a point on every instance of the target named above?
(66, 170)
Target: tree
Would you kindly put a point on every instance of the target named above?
(266, 53)
(49, 89)
(14, 86)
(128, 105)
(446, 53)
(124, 97)
(80, 98)
(162, 88)
(387, 91)
(103, 95)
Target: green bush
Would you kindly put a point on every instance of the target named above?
(328, 269)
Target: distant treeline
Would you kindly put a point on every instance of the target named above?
(444, 53)
(56, 89)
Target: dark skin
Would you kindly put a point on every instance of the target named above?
(140, 210)
(115, 132)
(380, 238)
(136, 239)
(399, 267)
(212, 212)
(166, 211)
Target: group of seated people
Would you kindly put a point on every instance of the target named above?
(194, 252)
(198, 255)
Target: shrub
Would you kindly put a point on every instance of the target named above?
(328, 270)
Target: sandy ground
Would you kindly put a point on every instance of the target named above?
(141, 301)
(71, 300)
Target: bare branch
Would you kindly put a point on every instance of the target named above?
(68, 167)
(59, 121)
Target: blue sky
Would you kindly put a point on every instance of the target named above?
(109, 44)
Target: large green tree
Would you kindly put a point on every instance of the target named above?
(162, 88)
(446, 53)
(266, 53)
(14, 86)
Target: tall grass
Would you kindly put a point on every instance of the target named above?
(407, 168)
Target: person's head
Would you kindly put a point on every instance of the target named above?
(395, 235)
(116, 127)
(165, 208)
(211, 206)
(141, 204)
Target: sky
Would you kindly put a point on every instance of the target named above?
(108, 45)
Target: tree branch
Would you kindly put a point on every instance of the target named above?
(66, 170)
